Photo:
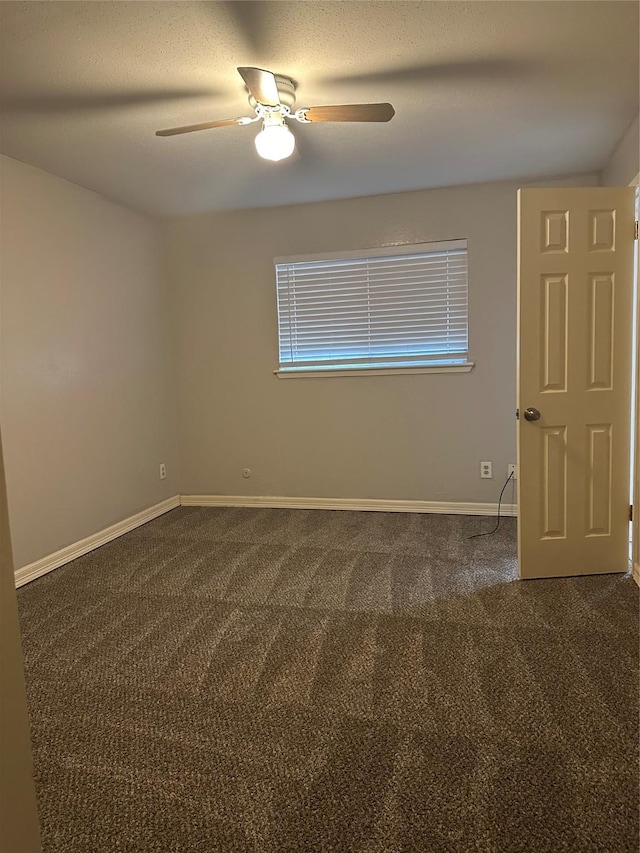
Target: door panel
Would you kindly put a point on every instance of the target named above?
(575, 296)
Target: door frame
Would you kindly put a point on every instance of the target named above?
(635, 498)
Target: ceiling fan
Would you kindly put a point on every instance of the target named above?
(272, 98)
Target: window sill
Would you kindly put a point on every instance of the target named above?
(372, 371)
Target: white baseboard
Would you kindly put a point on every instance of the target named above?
(636, 573)
(360, 504)
(77, 549)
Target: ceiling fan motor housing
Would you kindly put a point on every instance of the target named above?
(286, 91)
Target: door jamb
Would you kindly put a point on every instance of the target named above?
(635, 498)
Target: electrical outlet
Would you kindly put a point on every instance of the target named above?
(512, 469)
(486, 470)
(163, 471)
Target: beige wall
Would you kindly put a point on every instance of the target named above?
(86, 403)
(405, 437)
(624, 164)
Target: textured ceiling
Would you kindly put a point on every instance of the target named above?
(482, 91)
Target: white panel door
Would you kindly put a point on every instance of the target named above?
(575, 298)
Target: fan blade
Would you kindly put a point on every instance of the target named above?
(172, 131)
(351, 112)
(262, 85)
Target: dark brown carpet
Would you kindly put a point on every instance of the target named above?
(283, 680)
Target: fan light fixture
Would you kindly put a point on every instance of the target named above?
(275, 141)
(272, 98)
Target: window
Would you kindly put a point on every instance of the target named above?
(397, 308)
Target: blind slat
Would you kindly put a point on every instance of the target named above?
(363, 330)
(340, 307)
(355, 279)
(420, 291)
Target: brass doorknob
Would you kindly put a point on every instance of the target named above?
(531, 414)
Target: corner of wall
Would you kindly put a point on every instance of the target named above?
(624, 163)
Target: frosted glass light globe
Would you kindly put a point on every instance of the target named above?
(275, 142)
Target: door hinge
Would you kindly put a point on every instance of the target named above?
(630, 512)
(635, 231)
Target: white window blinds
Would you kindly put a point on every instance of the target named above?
(396, 307)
